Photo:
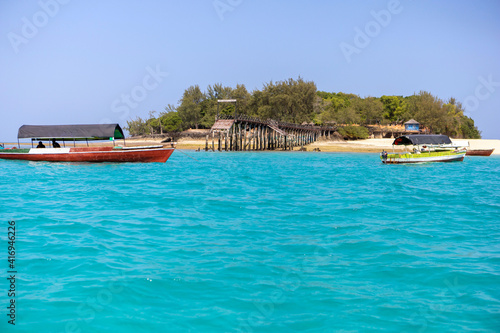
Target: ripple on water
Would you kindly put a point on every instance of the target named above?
(256, 242)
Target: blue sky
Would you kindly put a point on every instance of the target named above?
(73, 62)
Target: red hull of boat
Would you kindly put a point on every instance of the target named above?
(101, 154)
(479, 152)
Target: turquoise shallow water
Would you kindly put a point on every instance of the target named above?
(254, 242)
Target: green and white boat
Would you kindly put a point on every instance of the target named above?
(426, 148)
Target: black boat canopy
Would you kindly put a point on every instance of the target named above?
(73, 132)
(422, 139)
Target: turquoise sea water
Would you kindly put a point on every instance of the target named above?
(253, 242)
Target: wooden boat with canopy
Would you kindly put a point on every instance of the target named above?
(426, 148)
(65, 136)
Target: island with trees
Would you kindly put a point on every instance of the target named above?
(298, 101)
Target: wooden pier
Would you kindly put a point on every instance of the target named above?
(243, 133)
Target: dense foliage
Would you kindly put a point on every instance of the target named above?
(354, 132)
(298, 101)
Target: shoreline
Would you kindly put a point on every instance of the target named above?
(358, 146)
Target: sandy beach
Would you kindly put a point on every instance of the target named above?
(359, 146)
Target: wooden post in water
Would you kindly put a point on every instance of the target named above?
(262, 131)
(253, 137)
(206, 143)
(236, 138)
(257, 127)
(219, 147)
(259, 138)
(213, 143)
(266, 130)
(231, 138)
(247, 127)
(271, 143)
(240, 139)
(271, 138)
(244, 136)
(268, 138)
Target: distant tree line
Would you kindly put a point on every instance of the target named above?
(298, 101)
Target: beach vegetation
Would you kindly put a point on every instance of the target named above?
(299, 101)
(137, 127)
(352, 132)
(190, 110)
(171, 122)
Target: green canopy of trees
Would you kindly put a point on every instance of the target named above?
(298, 101)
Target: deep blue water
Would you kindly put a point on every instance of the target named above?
(253, 242)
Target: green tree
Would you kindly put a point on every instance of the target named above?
(137, 127)
(243, 97)
(347, 116)
(209, 105)
(468, 129)
(290, 100)
(395, 108)
(171, 122)
(298, 101)
(428, 111)
(218, 91)
(333, 105)
(354, 132)
(153, 123)
(190, 106)
(370, 109)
